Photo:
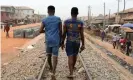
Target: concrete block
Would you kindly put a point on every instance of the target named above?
(29, 33)
(26, 32)
(36, 32)
(19, 33)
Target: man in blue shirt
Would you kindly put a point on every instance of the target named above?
(73, 29)
(53, 32)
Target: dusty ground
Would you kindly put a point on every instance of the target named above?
(28, 65)
(109, 47)
(8, 45)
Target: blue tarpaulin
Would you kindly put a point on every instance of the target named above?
(128, 25)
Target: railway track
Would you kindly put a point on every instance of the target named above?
(83, 59)
(96, 67)
(62, 70)
(42, 70)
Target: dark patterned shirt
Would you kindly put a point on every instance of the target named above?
(73, 29)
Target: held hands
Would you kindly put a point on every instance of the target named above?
(82, 48)
(62, 46)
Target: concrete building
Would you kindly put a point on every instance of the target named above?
(4, 16)
(23, 12)
(98, 21)
(110, 19)
(126, 16)
(7, 13)
(20, 14)
(123, 17)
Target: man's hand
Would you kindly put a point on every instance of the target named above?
(62, 46)
(82, 48)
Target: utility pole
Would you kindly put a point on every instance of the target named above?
(123, 10)
(124, 5)
(38, 16)
(89, 14)
(109, 16)
(104, 17)
(118, 11)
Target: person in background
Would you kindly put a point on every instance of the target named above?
(53, 34)
(122, 43)
(118, 39)
(103, 34)
(128, 47)
(7, 29)
(114, 41)
(73, 29)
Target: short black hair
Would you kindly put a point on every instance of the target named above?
(74, 11)
(51, 8)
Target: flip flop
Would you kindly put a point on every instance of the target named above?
(50, 73)
(74, 68)
(70, 76)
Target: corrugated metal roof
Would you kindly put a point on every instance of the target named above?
(111, 16)
(96, 21)
(99, 17)
(17, 7)
(127, 10)
(5, 11)
(128, 17)
(126, 29)
(6, 6)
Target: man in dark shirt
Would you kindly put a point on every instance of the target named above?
(128, 45)
(73, 29)
(7, 28)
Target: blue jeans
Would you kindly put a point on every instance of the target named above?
(52, 50)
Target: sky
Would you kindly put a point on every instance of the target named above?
(63, 7)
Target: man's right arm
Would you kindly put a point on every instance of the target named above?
(42, 28)
(82, 38)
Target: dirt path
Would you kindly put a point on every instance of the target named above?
(8, 45)
(109, 47)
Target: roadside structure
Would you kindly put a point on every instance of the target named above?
(7, 13)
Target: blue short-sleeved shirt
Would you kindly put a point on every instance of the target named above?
(73, 29)
(52, 36)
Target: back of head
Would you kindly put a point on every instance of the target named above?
(51, 9)
(74, 11)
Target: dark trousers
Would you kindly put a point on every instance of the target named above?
(114, 44)
(128, 50)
